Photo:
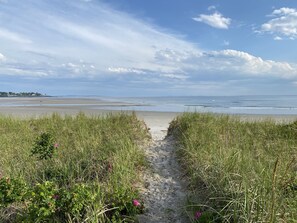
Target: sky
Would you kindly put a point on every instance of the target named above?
(149, 48)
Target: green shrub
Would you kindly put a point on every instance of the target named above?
(42, 202)
(11, 190)
(44, 147)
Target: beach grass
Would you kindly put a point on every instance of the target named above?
(238, 171)
(70, 168)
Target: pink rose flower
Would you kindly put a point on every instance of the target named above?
(136, 203)
(198, 214)
(56, 196)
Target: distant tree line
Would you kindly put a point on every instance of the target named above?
(20, 94)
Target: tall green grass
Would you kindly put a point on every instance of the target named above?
(239, 171)
(96, 167)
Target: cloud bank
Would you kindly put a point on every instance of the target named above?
(228, 62)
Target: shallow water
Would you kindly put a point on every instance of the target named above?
(271, 105)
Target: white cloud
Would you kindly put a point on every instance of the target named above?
(175, 76)
(175, 56)
(13, 36)
(244, 63)
(277, 38)
(284, 23)
(89, 34)
(124, 70)
(2, 57)
(233, 62)
(283, 11)
(215, 20)
(212, 7)
(14, 71)
(79, 69)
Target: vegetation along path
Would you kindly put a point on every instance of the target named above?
(164, 192)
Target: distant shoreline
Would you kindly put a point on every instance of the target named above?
(4, 94)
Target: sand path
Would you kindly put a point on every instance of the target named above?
(164, 190)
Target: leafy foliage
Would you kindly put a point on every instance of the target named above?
(44, 147)
(42, 202)
(91, 179)
(11, 190)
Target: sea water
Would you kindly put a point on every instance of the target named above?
(274, 105)
(267, 105)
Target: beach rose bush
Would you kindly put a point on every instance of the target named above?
(46, 201)
(44, 146)
(11, 190)
(92, 179)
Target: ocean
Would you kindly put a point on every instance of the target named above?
(258, 105)
(273, 105)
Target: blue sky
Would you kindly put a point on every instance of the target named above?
(148, 48)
